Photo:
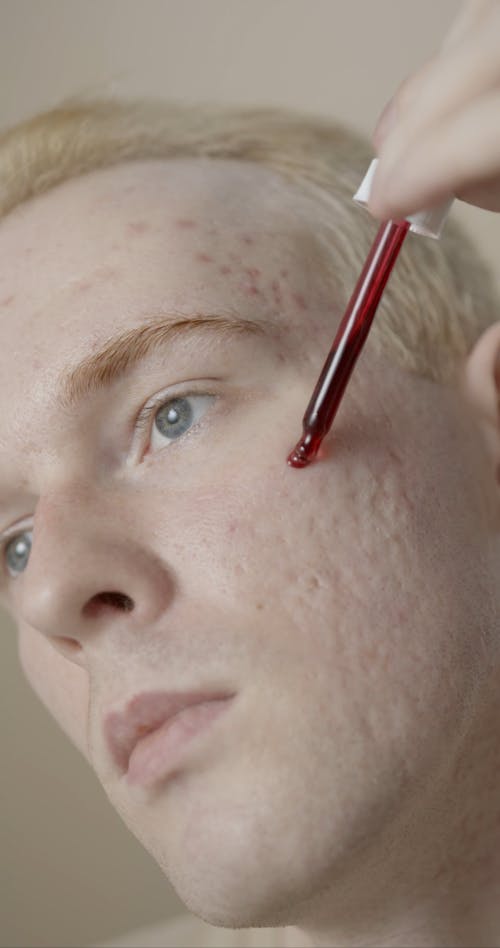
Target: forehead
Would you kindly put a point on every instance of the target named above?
(85, 225)
(76, 261)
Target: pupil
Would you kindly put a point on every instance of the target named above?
(174, 418)
(17, 551)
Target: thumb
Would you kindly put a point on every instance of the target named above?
(470, 15)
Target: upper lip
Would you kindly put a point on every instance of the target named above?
(144, 713)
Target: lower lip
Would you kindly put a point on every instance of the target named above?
(155, 756)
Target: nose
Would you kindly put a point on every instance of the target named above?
(90, 567)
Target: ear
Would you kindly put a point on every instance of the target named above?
(482, 389)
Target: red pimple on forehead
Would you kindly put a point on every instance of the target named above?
(250, 289)
(299, 299)
(138, 227)
(83, 285)
(185, 222)
(253, 272)
(107, 273)
(276, 292)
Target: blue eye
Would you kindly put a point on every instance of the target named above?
(16, 552)
(176, 416)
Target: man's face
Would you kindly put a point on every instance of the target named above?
(340, 603)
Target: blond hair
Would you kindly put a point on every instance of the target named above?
(440, 297)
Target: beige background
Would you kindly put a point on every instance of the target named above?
(70, 872)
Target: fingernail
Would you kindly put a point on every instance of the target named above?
(377, 202)
(382, 190)
(385, 123)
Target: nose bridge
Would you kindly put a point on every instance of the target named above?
(87, 567)
(72, 499)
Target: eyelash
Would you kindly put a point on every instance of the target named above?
(144, 419)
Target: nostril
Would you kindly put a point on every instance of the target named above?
(116, 599)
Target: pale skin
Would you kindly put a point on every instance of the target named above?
(350, 795)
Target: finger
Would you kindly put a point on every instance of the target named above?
(446, 83)
(470, 15)
(457, 154)
(391, 113)
(486, 194)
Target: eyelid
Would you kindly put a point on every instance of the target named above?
(11, 532)
(183, 389)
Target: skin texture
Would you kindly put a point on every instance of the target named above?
(350, 792)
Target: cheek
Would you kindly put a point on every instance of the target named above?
(60, 685)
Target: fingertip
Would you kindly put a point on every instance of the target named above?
(389, 207)
(377, 208)
(378, 204)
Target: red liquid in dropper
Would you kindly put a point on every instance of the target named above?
(349, 341)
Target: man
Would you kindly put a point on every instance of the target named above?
(167, 299)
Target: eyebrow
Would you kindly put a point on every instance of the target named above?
(122, 353)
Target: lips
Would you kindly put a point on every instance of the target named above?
(145, 713)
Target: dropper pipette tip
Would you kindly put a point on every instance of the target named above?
(304, 451)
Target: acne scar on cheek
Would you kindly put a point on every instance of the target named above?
(204, 258)
(185, 223)
(7, 301)
(246, 239)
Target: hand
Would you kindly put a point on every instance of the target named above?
(440, 134)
